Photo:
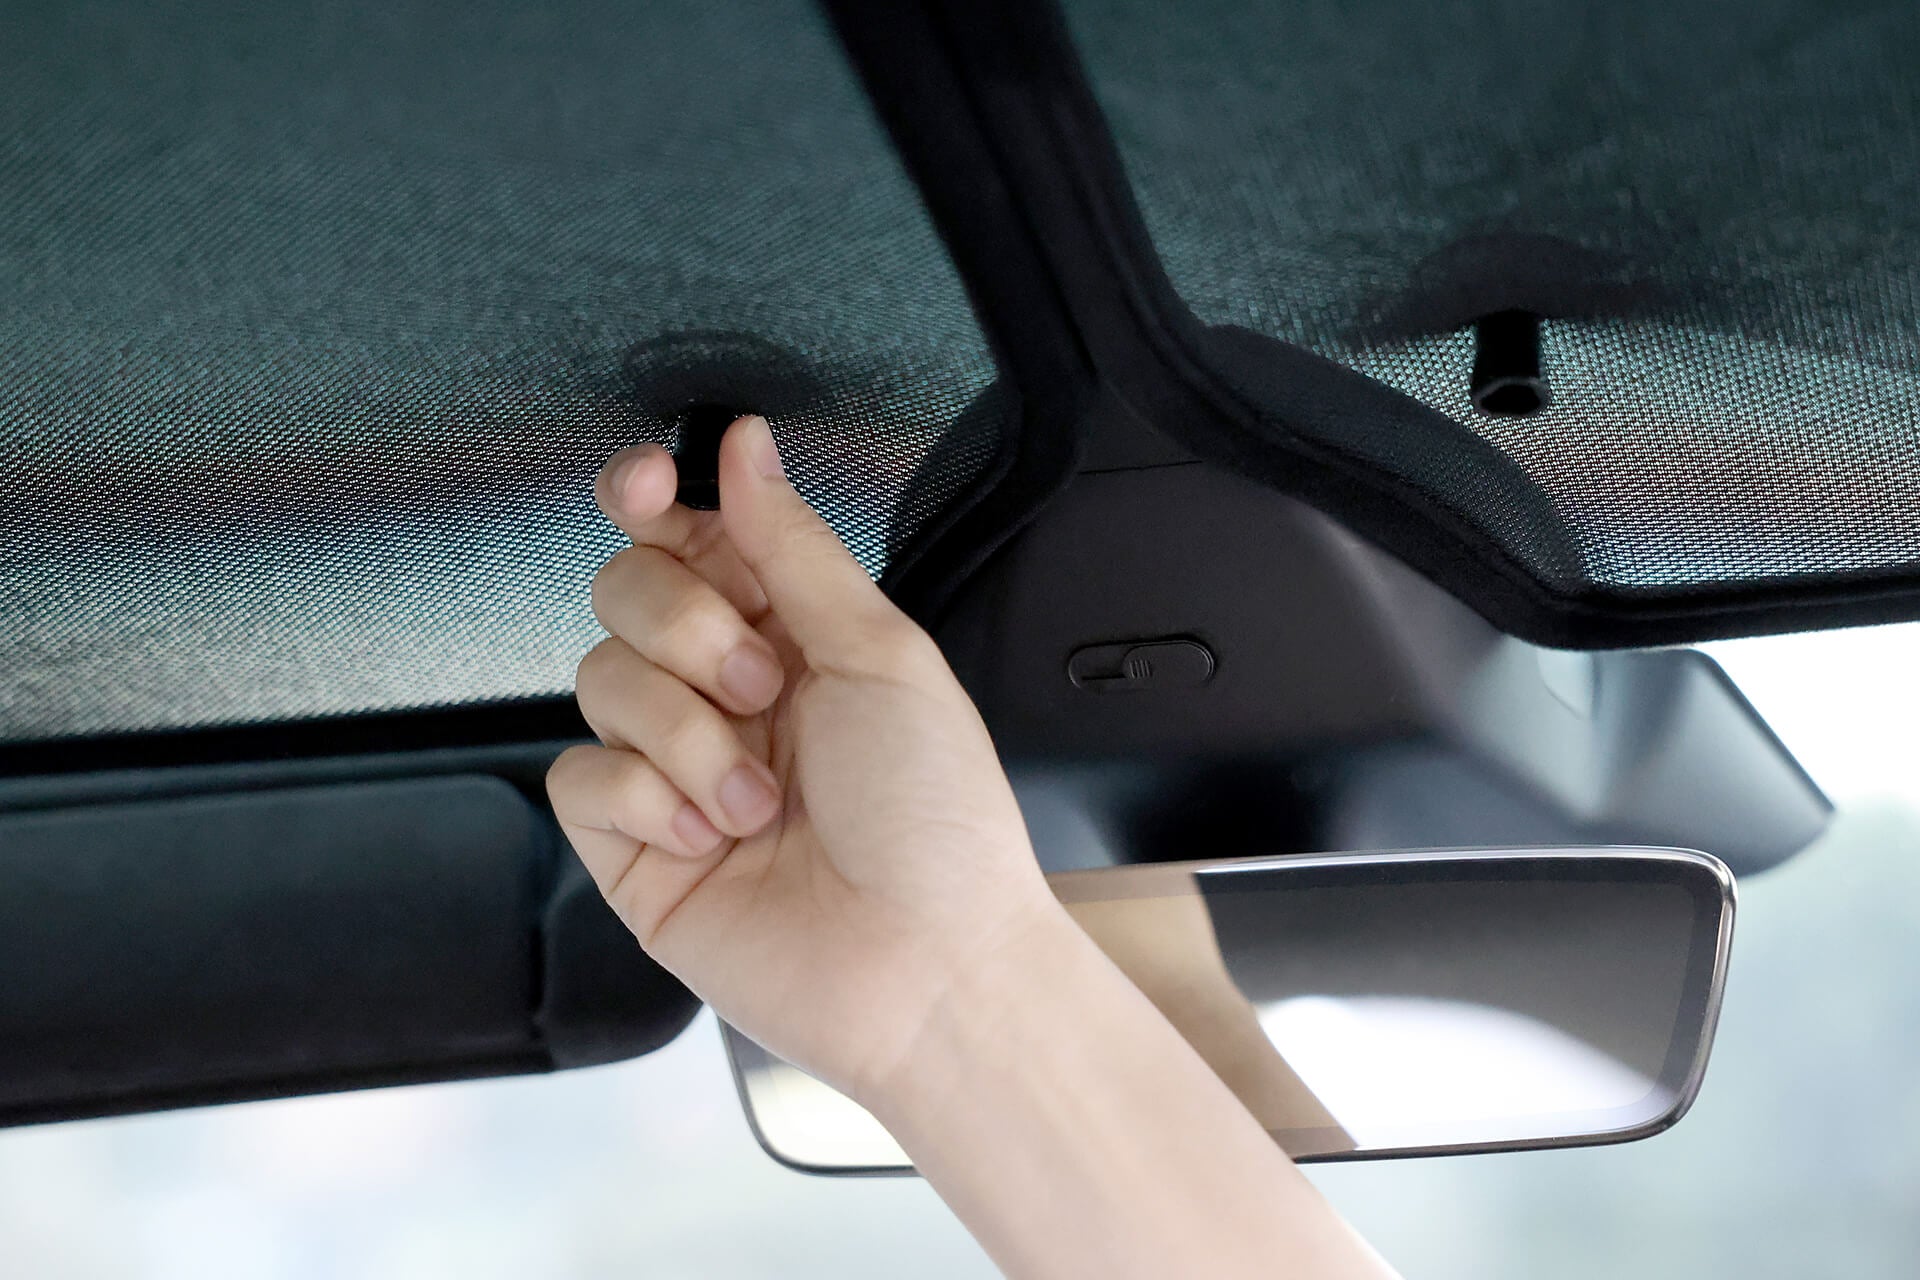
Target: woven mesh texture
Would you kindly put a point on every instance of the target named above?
(1719, 205)
(318, 321)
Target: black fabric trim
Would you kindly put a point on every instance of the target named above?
(926, 101)
(988, 105)
(943, 552)
(530, 720)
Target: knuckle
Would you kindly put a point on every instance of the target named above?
(600, 590)
(569, 762)
(562, 773)
(816, 538)
(632, 801)
(891, 644)
(660, 612)
(804, 543)
(682, 734)
(615, 578)
(632, 902)
(920, 651)
(694, 619)
(590, 676)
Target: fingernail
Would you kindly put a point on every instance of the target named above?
(618, 474)
(612, 472)
(693, 829)
(748, 797)
(623, 471)
(764, 452)
(751, 677)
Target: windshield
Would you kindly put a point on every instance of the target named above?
(1797, 1159)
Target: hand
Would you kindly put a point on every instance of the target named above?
(796, 808)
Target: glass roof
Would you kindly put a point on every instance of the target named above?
(319, 321)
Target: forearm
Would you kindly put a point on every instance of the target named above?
(1076, 1133)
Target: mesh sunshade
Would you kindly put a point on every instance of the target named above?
(1717, 207)
(316, 321)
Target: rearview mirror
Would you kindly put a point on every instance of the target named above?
(1385, 1004)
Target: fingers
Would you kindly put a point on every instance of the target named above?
(635, 490)
(625, 821)
(672, 617)
(622, 794)
(633, 702)
(828, 604)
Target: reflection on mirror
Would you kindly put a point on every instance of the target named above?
(1381, 1004)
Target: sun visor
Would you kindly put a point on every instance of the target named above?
(222, 947)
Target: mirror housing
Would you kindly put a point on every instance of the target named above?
(1294, 688)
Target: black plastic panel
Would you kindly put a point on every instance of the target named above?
(1351, 704)
(216, 947)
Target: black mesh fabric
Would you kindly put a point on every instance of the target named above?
(316, 321)
(1717, 207)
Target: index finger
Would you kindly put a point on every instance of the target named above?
(635, 490)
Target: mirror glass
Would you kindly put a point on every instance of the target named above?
(1367, 1005)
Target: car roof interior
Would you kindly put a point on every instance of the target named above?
(1405, 386)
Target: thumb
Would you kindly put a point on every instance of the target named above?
(826, 601)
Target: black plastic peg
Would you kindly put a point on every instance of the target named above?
(696, 454)
(1506, 365)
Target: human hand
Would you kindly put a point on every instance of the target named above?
(795, 808)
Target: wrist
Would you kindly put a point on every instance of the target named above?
(993, 1012)
(1073, 1129)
